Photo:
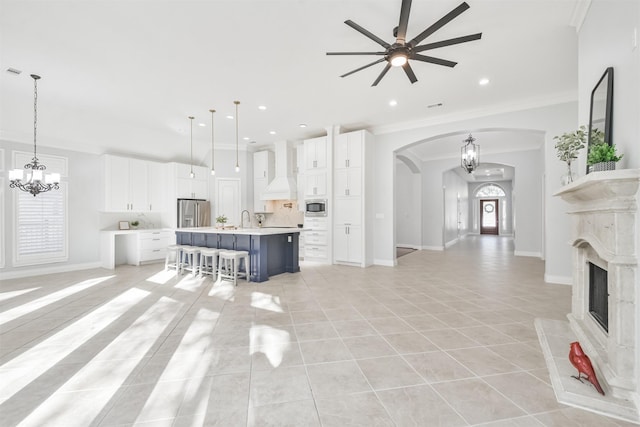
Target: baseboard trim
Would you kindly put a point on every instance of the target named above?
(432, 248)
(525, 253)
(384, 262)
(560, 280)
(29, 272)
(408, 245)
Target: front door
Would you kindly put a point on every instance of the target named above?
(489, 216)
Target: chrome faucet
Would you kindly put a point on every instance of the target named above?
(242, 218)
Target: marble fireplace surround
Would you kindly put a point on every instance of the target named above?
(605, 230)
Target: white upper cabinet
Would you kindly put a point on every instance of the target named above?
(126, 184)
(348, 182)
(191, 188)
(263, 165)
(348, 150)
(263, 173)
(157, 184)
(315, 153)
(315, 184)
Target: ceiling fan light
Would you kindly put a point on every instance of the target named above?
(398, 59)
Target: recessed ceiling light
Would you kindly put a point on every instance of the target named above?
(302, 125)
(246, 138)
(393, 103)
(262, 107)
(201, 124)
(483, 82)
(272, 132)
(230, 117)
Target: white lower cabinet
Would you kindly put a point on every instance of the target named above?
(149, 245)
(347, 243)
(316, 240)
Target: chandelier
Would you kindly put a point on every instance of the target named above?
(470, 155)
(34, 171)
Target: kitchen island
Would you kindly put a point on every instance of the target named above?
(272, 250)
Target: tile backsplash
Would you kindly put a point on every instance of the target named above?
(283, 215)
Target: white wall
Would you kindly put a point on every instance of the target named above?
(408, 207)
(454, 188)
(605, 40)
(552, 120)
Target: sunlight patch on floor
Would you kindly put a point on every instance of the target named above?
(274, 343)
(190, 283)
(110, 368)
(223, 290)
(37, 304)
(28, 366)
(266, 302)
(162, 277)
(12, 294)
(189, 360)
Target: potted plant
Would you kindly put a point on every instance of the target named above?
(135, 224)
(602, 157)
(567, 146)
(221, 221)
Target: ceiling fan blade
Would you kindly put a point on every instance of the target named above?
(384, 71)
(449, 42)
(405, 9)
(439, 24)
(433, 60)
(412, 76)
(362, 68)
(367, 33)
(356, 53)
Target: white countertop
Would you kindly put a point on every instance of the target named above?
(136, 230)
(264, 231)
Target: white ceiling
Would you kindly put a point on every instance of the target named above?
(123, 76)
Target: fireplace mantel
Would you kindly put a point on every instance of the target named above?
(605, 229)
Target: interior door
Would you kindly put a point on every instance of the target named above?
(489, 216)
(228, 199)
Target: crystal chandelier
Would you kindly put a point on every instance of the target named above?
(34, 171)
(470, 155)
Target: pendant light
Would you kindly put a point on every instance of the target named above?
(470, 155)
(191, 174)
(35, 170)
(213, 169)
(237, 165)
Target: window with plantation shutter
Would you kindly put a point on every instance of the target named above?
(41, 226)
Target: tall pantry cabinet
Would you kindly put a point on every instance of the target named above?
(353, 199)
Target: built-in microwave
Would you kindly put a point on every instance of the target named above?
(316, 207)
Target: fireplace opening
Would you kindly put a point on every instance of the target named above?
(599, 295)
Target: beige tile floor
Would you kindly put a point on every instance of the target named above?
(443, 339)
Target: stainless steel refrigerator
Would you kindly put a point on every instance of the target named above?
(193, 213)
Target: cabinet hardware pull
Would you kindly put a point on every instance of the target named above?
(155, 239)
(156, 250)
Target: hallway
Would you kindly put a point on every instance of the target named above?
(446, 338)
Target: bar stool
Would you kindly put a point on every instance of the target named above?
(172, 259)
(189, 259)
(229, 265)
(204, 266)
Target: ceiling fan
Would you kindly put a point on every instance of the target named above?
(399, 53)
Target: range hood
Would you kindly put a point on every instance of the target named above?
(283, 186)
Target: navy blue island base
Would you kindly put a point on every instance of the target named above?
(271, 251)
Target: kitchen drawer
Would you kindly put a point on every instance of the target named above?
(315, 237)
(152, 254)
(144, 235)
(155, 243)
(315, 251)
(316, 223)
